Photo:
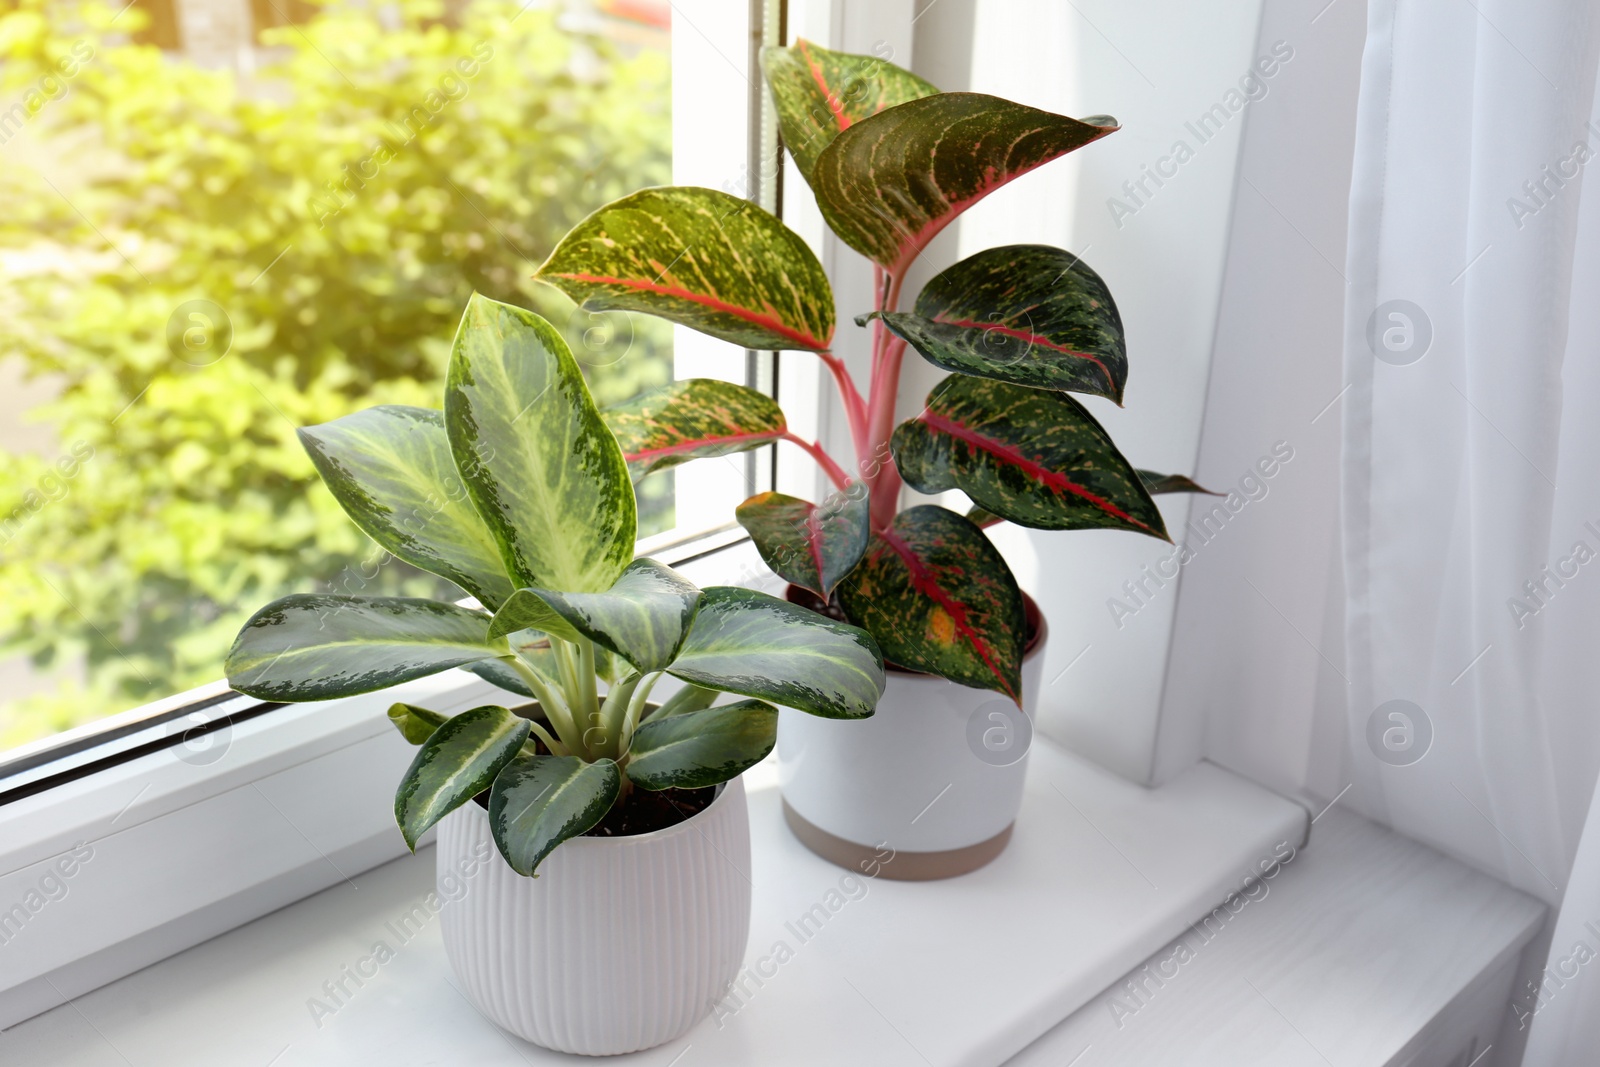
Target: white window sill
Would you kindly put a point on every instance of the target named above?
(1099, 874)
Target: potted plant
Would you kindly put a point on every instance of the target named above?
(628, 817)
(892, 161)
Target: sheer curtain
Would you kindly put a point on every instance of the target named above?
(1471, 455)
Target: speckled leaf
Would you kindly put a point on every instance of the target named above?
(702, 258)
(642, 618)
(891, 182)
(759, 646)
(455, 764)
(539, 463)
(1033, 456)
(1028, 314)
(689, 698)
(317, 646)
(390, 469)
(540, 801)
(701, 748)
(415, 724)
(811, 545)
(818, 93)
(1172, 483)
(939, 598)
(693, 419)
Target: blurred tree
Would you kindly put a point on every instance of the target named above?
(339, 205)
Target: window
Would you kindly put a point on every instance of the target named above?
(197, 263)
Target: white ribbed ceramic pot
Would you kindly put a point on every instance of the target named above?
(932, 779)
(620, 944)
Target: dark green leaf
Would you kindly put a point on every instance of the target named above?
(702, 258)
(812, 546)
(1172, 483)
(819, 93)
(1028, 314)
(890, 183)
(541, 466)
(759, 646)
(689, 698)
(455, 764)
(693, 419)
(642, 618)
(540, 801)
(316, 646)
(939, 598)
(701, 748)
(390, 468)
(1032, 456)
(416, 724)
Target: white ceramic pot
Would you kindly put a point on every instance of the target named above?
(620, 944)
(928, 787)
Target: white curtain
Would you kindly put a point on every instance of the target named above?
(1471, 496)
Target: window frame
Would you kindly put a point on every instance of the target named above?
(162, 816)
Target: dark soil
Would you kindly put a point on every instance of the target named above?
(638, 811)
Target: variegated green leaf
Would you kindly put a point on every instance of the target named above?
(533, 648)
(702, 258)
(891, 182)
(689, 698)
(701, 748)
(1033, 456)
(1028, 314)
(541, 466)
(540, 801)
(693, 419)
(316, 646)
(1172, 483)
(390, 468)
(811, 545)
(415, 724)
(818, 93)
(642, 618)
(746, 642)
(457, 762)
(939, 598)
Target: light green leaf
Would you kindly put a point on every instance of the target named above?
(693, 419)
(759, 646)
(890, 183)
(701, 258)
(316, 646)
(415, 724)
(390, 468)
(819, 92)
(538, 461)
(689, 698)
(540, 801)
(1028, 314)
(642, 618)
(701, 748)
(459, 761)
(1033, 456)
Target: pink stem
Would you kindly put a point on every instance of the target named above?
(833, 470)
(886, 482)
(855, 409)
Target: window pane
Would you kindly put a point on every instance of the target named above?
(204, 248)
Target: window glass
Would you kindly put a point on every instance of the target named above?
(219, 228)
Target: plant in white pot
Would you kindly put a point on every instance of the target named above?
(892, 161)
(630, 817)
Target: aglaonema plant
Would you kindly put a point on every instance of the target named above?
(891, 161)
(519, 493)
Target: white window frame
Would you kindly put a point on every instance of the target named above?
(135, 837)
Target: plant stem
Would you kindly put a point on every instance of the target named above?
(555, 708)
(834, 472)
(586, 675)
(556, 747)
(614, 711)
(886, 360)
(630, 721)
(855, 409)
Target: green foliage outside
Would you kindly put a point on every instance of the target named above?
(340, 205)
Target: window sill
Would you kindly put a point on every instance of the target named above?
(1100, 873)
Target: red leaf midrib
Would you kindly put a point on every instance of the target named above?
(768, 322)
(1034, 339)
